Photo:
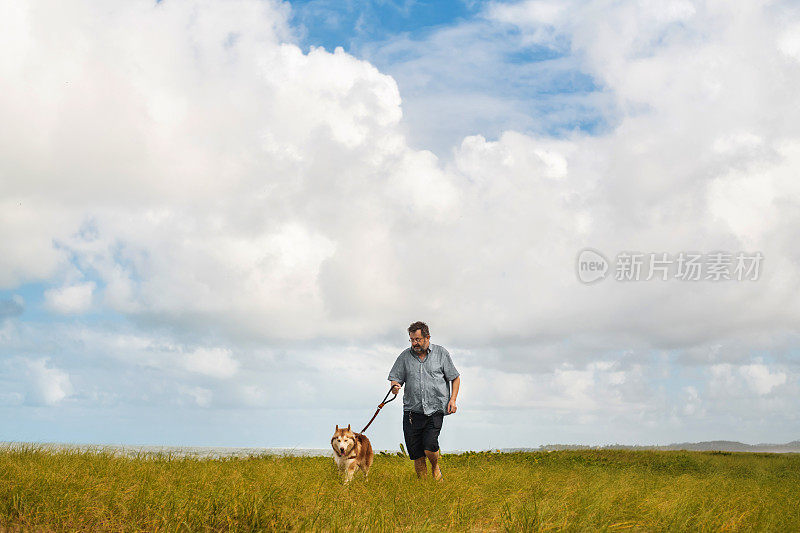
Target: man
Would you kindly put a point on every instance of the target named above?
(427, 371)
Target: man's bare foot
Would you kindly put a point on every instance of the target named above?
(437, 474)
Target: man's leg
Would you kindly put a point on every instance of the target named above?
(433, 457)
(431, 440)
(421, 467)
(413, 426)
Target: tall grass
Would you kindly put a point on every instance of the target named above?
(604, 490)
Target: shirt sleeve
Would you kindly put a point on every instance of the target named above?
(398, 371)
(450, 372)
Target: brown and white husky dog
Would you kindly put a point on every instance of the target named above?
(351, 451)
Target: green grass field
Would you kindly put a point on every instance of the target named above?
(604, 490)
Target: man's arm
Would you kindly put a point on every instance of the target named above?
(397, 375)
(451, 405)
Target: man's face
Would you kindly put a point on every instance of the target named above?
(419, 344)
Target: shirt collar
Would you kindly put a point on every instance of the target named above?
(427, 352)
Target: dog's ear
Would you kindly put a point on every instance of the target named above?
(337, 427)
(348, 427)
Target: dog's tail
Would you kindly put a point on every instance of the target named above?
(364, 441)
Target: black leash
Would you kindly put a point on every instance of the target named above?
(384, 402)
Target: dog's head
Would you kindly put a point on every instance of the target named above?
(343, 440)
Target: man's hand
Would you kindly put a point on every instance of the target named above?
(395, 387)
(451, 406)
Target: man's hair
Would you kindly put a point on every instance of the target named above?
(419, 325)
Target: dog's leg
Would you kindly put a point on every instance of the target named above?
(351, 470)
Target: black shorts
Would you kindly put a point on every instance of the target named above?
(421, 432)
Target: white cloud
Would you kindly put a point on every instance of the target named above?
(222, 184)
(731, 380)
(760, 379)
(789, 41)
(253, 395)
(600, 387)
(47, 385)
(26, 234)
(200, 396)
(692, 401)
(214, 362)
(72, 299)
(723, 380)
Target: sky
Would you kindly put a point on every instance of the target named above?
(217, 219)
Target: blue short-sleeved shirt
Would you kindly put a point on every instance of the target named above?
(427, 382)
